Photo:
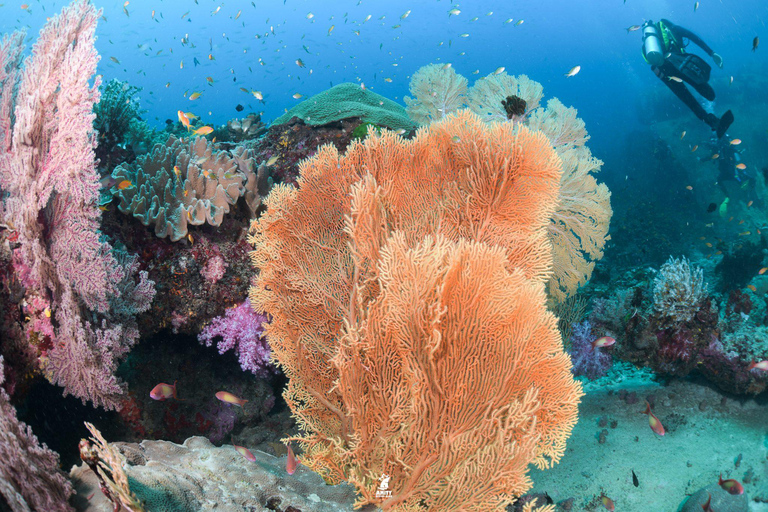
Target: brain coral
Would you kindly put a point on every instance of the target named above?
(178, 184)
(349, 100)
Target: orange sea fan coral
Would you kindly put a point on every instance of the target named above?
(393, 247)
(451, 325)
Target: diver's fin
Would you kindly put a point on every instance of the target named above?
(724, 124)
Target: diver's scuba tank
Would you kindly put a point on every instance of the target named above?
(652, 45)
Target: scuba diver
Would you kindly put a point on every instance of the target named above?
(728, 158)
(664, 49)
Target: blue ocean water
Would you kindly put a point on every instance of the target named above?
(258, 50)
(173, 49)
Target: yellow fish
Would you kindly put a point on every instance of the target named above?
(272, 161)
(195, 95)
(229, 398)
(297, 96)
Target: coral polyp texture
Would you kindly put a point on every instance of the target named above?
(678, 290)
(179, 184)
(404, 272)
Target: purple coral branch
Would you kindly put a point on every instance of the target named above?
(241, 328)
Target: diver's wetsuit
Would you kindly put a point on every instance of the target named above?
(667, 70)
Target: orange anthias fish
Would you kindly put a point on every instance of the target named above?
(245, 452)
(762, 365)
(183, 119)
(292, 463)
(164, 391)
(653, 421)
(730, 486)
(605, 341)
(124, 184)
(225, 396)
(203, 130)
(607, 503)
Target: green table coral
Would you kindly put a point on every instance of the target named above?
(349, 100)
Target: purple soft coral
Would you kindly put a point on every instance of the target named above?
(241, 328)
(587, 361)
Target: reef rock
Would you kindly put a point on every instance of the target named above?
(721, 500)
(198, 476)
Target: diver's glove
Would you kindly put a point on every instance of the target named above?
(718, 60)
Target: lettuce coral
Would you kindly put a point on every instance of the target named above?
(179, 184)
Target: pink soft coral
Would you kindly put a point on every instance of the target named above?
(241, 328)
(30, 478)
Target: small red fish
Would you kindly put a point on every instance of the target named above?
(245, 452)
(225, 396)
(124, 184)
(653, 421)
(164, 391)
(730, 486)
(707, 507)
(605, 341)
(762, 365)
(292, 463)
(607, 503)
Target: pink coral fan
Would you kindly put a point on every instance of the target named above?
(30, 478)
(241, 328)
